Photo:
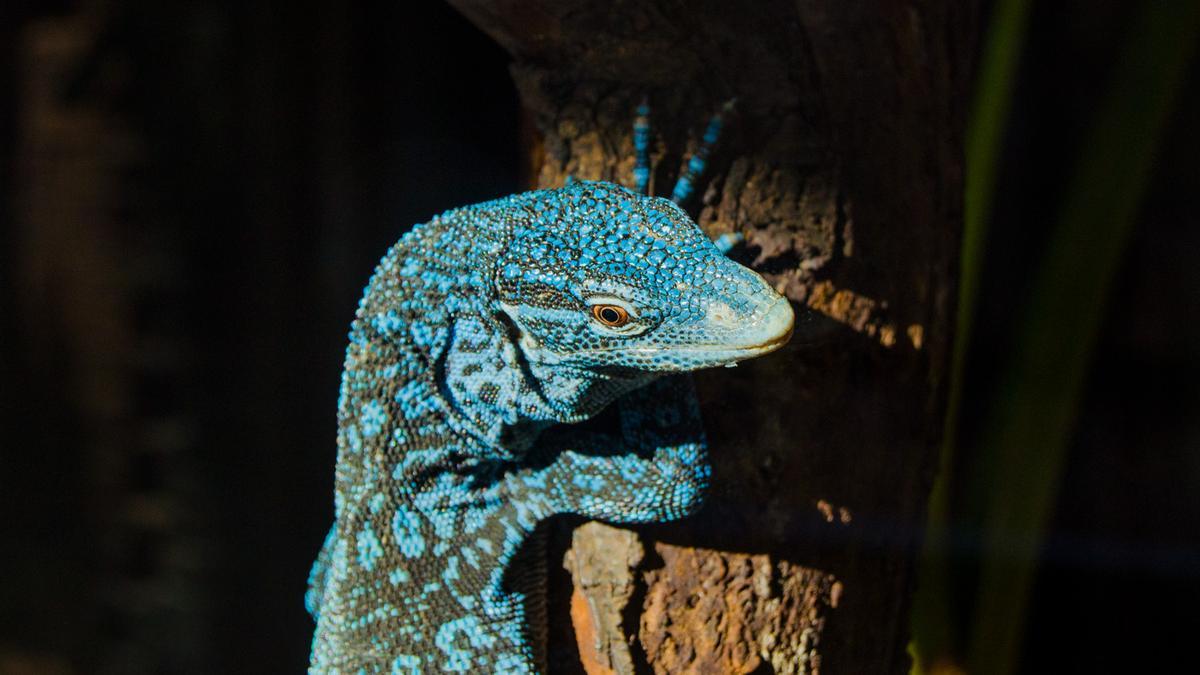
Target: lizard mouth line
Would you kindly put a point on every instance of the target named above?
(754, 349)
(746, 350)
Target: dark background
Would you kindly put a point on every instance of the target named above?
(1120, 573)
(191, 197)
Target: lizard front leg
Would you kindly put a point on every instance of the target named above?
(652, 466)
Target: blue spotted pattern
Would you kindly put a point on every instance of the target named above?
(480, 340)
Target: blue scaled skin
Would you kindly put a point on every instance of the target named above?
(482, 337)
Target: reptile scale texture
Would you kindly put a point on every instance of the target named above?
(482, 339)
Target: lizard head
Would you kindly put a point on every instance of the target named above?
(598, 277)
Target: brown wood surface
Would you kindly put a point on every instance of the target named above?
(842, 166)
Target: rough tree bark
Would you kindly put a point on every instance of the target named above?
(842, 167)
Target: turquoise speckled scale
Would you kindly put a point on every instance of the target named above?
(483, 336)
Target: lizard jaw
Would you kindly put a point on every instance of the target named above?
(767, 334)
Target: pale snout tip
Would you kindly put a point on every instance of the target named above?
(777, 325)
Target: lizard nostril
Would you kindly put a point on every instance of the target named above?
(721, 314)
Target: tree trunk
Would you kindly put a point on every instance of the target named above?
(842, 167)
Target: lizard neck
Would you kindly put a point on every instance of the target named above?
(432, 347)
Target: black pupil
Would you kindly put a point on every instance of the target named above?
(610, 315)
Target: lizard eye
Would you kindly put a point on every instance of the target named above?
(610, 315)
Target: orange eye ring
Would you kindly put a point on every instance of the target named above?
(610, 315)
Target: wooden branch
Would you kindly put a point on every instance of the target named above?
(842, 167)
